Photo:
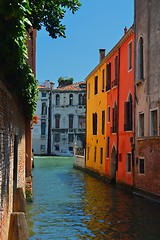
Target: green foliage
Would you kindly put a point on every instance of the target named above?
(62, 81)
(16, 17)
(50, 13)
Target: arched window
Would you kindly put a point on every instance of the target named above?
(57, 121)
(114, 118)
(140, 59)
(44, 108)
(57, 100)
(71, 121)
(80, 99)
(84, 99)
(70, 99)
(128, 114)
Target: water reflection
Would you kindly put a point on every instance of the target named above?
(69, 204)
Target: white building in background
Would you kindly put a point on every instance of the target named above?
(40, 133)
(61, 119)
(69, 120)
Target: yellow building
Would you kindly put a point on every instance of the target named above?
(95, 118)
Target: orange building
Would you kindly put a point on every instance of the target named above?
(110, 95)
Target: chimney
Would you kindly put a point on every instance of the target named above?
(101, 54)
(125, 30)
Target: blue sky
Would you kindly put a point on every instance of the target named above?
(97, 24)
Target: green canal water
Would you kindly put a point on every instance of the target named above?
(70, 204)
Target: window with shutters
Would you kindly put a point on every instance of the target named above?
(71, 121)
(43, 127)
(109, 115)
(140, 59)
(71, 99)
(44, 108)
(96, 85)
(154, 123)
(84, 100)
(94, 123)
(128, 114)
(101, 155)
(80, 99)
(108, 76)
(128, 162)
(141, 166)
(103, 121)
(57, 99)
(141, 125)
(130, 56)
(57, 121)
(114, 119)
(108, 146)
(103, 80)
(115, 71)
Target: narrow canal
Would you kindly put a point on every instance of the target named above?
(70, 204)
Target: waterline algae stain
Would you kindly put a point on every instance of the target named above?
(70, 204)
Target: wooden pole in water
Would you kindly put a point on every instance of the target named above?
(19, 201)
(18, 229)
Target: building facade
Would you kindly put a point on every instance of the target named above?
(147, 81)
(61, 114)
(68, 118)
(110, 104)
(41, 131)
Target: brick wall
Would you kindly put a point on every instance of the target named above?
(11, 123)
(149, 149)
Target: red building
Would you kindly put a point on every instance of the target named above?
(120, 106)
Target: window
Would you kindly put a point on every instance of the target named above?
(42, 148)
(114, 119)
(101, 155)
(56, 147)
(108, 76)
(109, 114)
(154, 123)
(71, 149)
(57, 100)
(70, 137)
(108, 146)
(141, 166)
(80, 99)
(95, 153)
(141, 124)
(140, 59)
(94, 123)
(128, 162)
(57, 121)
(115, 71)
(128, 114)
(130, 56)
(43, 127)
(70, 121)
(103, 80)
(96, 85)
(84, 100)
(88, 90)
(103, 121)
(43, 94)
(57, 137)
(71, 99)
(81, 122)
(44, 108)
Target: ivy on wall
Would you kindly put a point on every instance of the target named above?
(18, 75)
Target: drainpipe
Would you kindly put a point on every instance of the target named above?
(118, 96)
(134, 109)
